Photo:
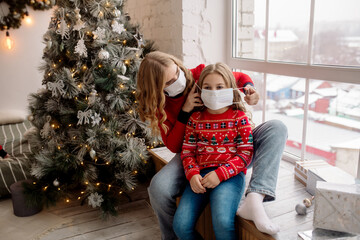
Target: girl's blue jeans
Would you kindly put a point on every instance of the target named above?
(223, 203)
(269, 142)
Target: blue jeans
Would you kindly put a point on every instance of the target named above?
(223, 203)
(269, 142)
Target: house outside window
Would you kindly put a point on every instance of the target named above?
(304, 57)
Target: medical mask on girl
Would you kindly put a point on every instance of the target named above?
(176, 87)
(216, 99)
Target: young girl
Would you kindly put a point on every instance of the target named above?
(217, 148)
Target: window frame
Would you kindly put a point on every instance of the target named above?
(340, 74)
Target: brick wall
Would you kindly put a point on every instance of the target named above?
(196, 31)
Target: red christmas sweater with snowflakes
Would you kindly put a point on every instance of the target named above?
(221, 140)
(176, 119)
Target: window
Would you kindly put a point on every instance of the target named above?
(304, 57)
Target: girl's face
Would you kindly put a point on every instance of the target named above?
(171, 74)
(214, 81)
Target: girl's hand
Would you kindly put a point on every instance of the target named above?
(193, 100)
(252, 97)
(195, 183)
(211, 180)
(7, 156)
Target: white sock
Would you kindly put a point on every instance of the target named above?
(252, 209)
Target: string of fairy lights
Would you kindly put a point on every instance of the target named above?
(14, 13)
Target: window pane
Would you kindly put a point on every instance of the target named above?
(288, 30)
(337, 32)
(283, 103)
(333, 130)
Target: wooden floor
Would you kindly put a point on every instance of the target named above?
(137, 221)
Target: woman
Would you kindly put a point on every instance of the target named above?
(166, 97)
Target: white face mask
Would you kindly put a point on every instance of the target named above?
(176, 87)
(217, 99)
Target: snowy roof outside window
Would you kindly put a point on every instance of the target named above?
(312, 98)
(327, 92)
(275, 82)
(280, 35)
(352, 144)
(343, 121)
(300, 85)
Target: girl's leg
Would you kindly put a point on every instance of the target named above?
(164, 187)
(269, 142)
(190, 207)
(224, 200)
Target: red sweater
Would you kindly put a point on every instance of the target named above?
(173, 138)
(221, 140)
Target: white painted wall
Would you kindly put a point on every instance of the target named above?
(19, 75)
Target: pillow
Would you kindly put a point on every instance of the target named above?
(12, 116)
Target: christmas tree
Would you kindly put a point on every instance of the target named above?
(87, 138)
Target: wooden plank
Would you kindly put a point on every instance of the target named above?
(118, 230)
(133, 214)
(148, 234)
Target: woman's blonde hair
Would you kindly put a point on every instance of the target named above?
(150, 87)
(224, 71)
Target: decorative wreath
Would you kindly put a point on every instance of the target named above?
(17, 11)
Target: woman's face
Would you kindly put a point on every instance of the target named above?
(171, 74)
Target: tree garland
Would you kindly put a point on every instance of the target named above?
(17, 11)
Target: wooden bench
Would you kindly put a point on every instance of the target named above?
(246, 229)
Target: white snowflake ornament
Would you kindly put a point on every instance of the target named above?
(117, 27)
(99, 34)
(95, 200)
(95, 119)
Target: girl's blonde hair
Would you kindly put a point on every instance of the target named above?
(224, 71)
(150, 87)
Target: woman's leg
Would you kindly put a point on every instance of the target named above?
(269, 142)
(224, 200)
(164, 187)
(190, 207)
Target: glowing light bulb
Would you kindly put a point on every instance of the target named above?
(28, 19)
(9, 43)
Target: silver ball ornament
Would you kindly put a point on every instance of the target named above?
(123, 69)
(300, 209)
(56, 183)
(103, 54)
(49, 44)
(92, 153)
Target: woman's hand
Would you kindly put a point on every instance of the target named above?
(195, 183)
(211, 180)
(193, 100)
(252, 97)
